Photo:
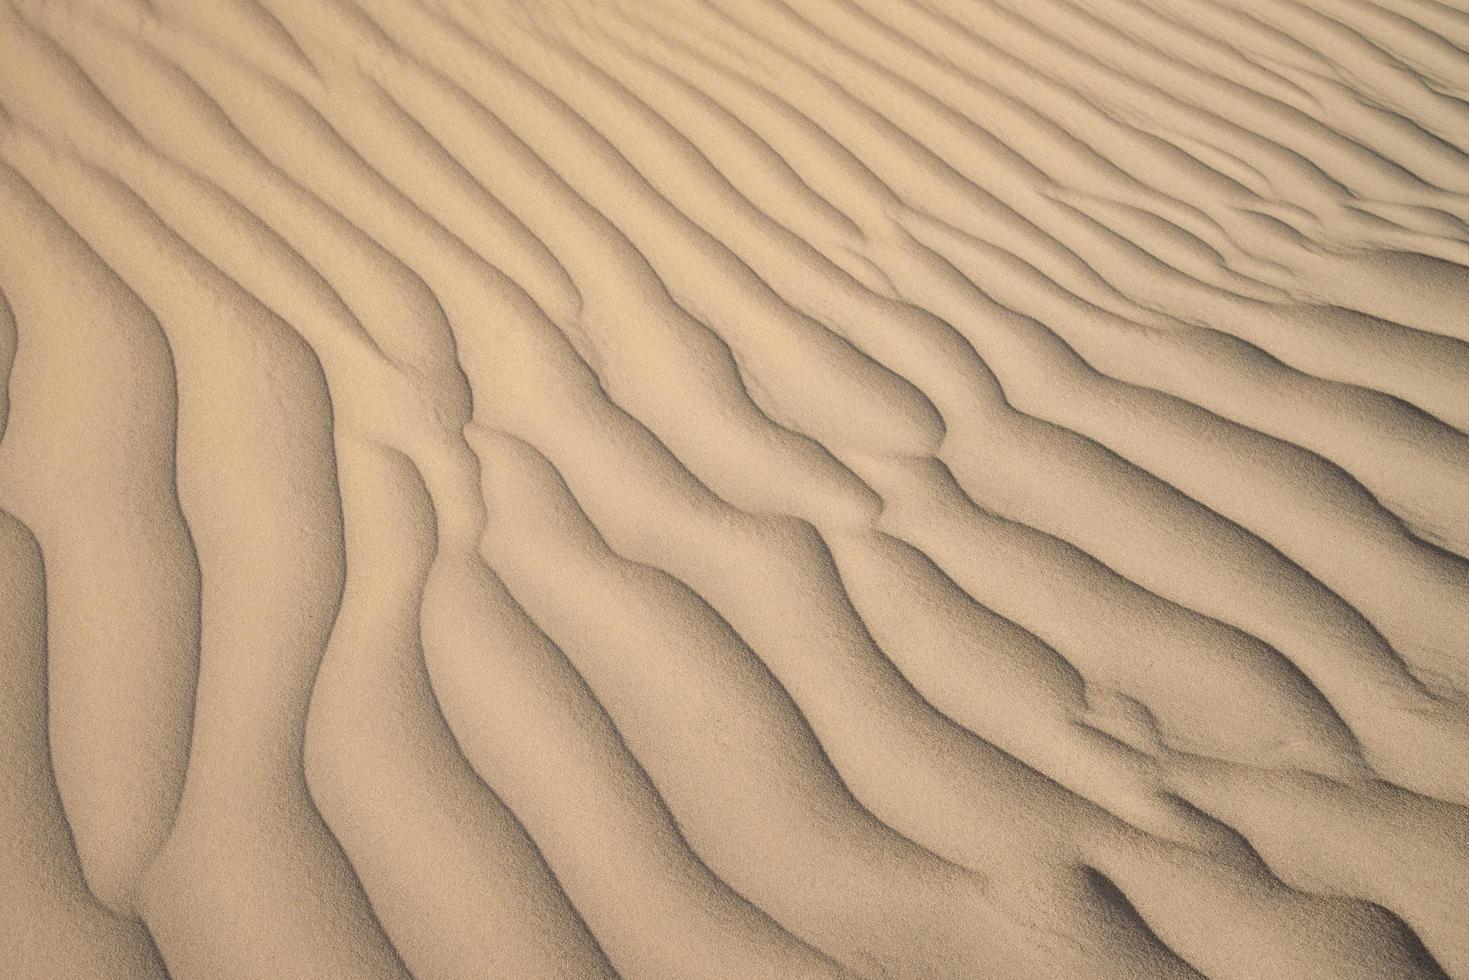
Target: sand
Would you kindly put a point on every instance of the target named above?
(734, 489)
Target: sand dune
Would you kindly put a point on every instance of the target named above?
(734, 488)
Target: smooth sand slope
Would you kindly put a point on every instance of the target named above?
(734, 488)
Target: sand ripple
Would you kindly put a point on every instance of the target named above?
(734, 488)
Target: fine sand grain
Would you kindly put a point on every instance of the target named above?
(738, 489)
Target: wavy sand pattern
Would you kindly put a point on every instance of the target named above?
(734, 488)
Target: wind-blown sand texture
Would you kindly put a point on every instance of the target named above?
(734, 488)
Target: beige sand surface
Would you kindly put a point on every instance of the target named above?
(734, 488)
